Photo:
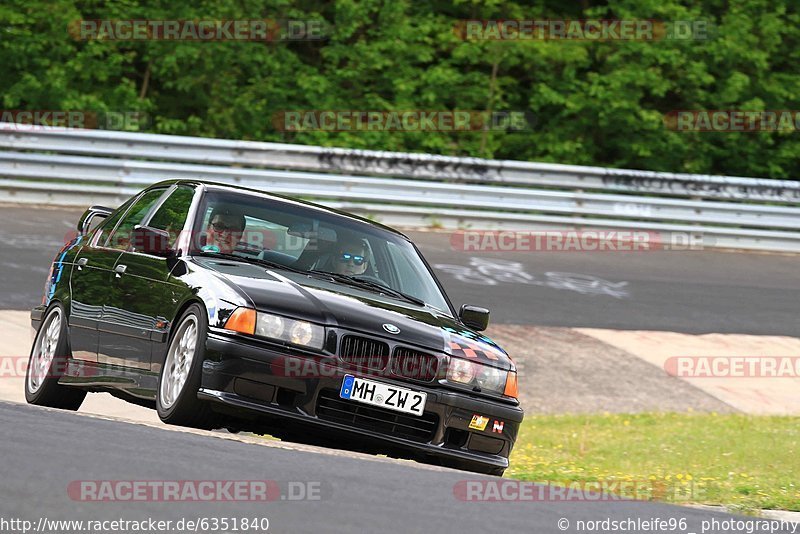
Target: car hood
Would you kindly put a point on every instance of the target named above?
(351, 308)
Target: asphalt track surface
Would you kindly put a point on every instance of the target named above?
(44, 450)
(680, 291)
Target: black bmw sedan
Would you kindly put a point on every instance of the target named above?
(224, 307)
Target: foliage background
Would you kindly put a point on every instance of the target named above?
(598, 103)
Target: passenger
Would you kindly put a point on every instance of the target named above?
(351, 257)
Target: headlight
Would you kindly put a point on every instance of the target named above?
(270, 325)
(290, 330)
(461, 371)
(301, 333)
(491, 378)
(469, 373)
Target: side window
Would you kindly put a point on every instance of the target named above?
(121, 238)
(171, 216)
(107, 225)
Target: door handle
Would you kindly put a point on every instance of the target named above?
(82, 261)
(120, 269)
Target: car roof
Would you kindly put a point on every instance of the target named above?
(281, 198)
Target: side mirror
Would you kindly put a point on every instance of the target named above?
(474, 317)
(151, 241)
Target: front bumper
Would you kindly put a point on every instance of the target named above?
(250, 380)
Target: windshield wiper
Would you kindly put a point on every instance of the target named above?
(246, 259)
(390, 290)
(363, 283)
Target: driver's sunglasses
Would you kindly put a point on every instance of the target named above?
(345, 257)
(222, 227)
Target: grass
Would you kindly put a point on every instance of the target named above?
(744, 462)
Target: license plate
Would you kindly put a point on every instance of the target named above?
(383, 395)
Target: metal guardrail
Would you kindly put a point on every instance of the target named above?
(79, 167)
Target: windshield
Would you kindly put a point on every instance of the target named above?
(256, 227)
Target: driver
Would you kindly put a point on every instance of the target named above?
(225, 230)
(351, 257)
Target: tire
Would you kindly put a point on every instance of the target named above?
(48, 359)
(179, 381)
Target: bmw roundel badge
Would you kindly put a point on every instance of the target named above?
(392, 329)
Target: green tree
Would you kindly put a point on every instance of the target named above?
(598, 103)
